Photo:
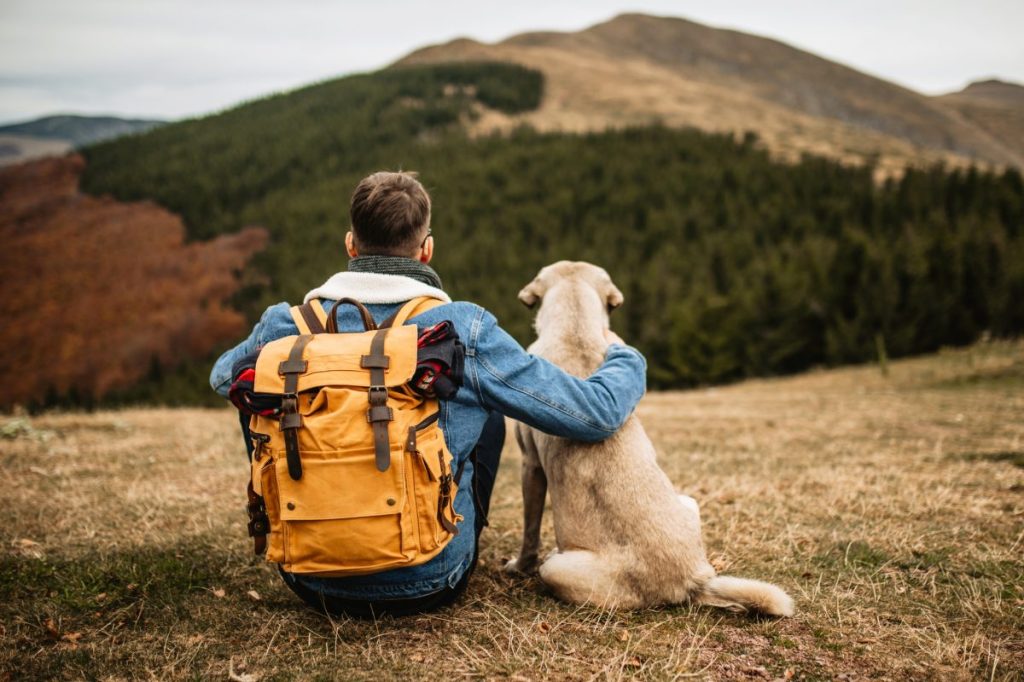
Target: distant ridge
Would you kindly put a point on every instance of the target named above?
(992, 91)
(636, 69)
(996, 107)
(53, 135)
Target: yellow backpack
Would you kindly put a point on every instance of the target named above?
(355, 476)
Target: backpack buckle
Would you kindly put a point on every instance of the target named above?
(290, 417)
(378, 395)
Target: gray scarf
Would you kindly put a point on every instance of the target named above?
(396, 265)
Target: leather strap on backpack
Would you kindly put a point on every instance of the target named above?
(310, 317)
(291, 420)
(379, 414)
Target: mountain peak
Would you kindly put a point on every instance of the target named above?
(994, 90)
(636, 68)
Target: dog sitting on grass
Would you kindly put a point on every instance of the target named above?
(625, 538)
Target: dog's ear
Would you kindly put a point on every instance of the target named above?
(613, 297)
(531, 293)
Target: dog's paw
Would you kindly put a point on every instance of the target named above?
(520, 566)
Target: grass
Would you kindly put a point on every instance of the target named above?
(891, 508)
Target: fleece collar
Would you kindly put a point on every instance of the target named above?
(374, 287)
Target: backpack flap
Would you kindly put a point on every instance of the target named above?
(336, 360)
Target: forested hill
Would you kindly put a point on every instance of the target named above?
(732, 264)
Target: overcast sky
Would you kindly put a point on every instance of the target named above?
(175, 58)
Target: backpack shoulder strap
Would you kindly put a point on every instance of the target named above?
(310, 317)
(414, 307)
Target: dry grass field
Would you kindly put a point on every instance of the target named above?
(891, 508)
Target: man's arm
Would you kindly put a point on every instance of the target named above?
(540, 394)
(275, 322)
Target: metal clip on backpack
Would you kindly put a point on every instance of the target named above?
(355, 477)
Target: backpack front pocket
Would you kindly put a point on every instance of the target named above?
(343, 516)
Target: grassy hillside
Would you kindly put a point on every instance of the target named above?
(637, 68)
(889, 507)
(732, 264)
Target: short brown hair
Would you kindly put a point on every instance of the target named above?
(389, 212)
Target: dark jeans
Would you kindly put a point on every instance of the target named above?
(488, 456)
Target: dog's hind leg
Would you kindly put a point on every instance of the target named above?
(584, 577)
(535, 488)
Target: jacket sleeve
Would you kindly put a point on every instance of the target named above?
(540, 394)
(275, 322)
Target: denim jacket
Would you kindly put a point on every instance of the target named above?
(499, 376)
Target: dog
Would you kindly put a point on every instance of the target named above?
(626, 539)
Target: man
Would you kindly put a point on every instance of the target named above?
(390, 246)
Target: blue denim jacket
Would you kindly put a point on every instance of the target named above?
(499, 376)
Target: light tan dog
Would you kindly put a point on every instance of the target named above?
(625, 538)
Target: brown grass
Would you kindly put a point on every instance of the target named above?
(892, 508)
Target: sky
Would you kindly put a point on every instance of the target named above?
(177, 58)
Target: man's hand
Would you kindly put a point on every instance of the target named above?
(611, 337)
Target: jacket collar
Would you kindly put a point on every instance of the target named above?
(374, 287)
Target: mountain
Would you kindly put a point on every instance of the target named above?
(637, 69)
(994, 106)
(54, 135)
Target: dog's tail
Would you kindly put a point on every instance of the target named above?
(742, 595)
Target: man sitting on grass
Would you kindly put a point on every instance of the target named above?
(390, 246)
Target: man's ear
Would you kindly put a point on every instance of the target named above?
(350, 244)
(530, 294)
(427, 252)
(614, 298)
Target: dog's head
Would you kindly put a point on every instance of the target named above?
(566, 271)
